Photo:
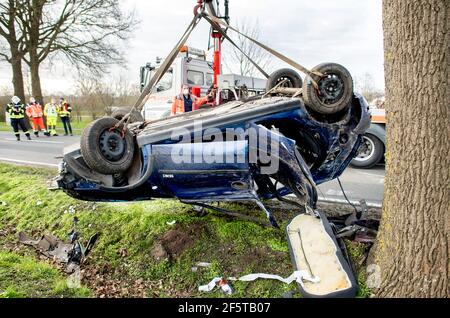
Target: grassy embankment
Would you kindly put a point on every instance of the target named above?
(139, 253)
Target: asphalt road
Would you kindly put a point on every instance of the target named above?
(357, 183)
(42, 151)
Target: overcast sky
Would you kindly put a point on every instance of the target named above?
(348, 32)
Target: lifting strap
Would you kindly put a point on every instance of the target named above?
(216, 23)
(167, 63)
(225, 35)
(265, 47)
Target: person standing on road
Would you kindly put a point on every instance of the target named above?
(51, 112)
(34, 111)
(16, 111)
(64, 111)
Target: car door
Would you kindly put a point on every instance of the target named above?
(208, 171)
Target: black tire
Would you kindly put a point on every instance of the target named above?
(371, 152)
(135, 116)
(106, 151)
(335, 88)
(293, 79)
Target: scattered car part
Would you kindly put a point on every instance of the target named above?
(73, 253)
(334, 92)
(107, 149)
(298, 276)
(314, 248)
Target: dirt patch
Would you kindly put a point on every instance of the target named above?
(175, 241)
(104, 285)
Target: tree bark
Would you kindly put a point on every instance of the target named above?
(35, 78)
(412, 249)
(17, 79)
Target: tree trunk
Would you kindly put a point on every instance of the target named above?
(17, 79)
(412, 250)
(36, 80)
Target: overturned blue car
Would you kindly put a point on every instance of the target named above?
(264, 147)
(240, 151)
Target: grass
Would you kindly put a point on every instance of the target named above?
(77, 126)
(129, 231)
(22, 276)
(128, 234)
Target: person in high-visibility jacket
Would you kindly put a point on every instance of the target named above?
(51, 112)
(35, 113)
(64, 111)
(186, 102)
(16, 111)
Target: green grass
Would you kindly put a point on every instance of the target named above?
(128, 233)
(77, 126)
(357, 254)
(22, 276)
(232, 246)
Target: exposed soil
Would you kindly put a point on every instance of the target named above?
(175, 241)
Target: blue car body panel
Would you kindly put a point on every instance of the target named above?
(310, 152)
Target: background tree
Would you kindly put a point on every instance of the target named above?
(12, 45)
(235, 61)
(364, 85)
(86, 33)
(412, 250)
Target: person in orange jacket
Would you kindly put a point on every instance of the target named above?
(186, 102)
(35, 113)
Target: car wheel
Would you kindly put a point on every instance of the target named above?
(293, 80)
(105, 149)
(334, 92)
(370, 153)
(135, 116)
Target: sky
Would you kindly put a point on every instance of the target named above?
(311, 32)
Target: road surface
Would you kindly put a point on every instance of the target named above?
(357, 183)
(42, 151)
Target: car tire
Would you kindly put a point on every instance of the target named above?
(105, 150)
(335, 91)
(373, 154)
(293, 79)
(135, 116)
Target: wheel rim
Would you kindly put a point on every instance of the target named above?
(331, 88)
(112, 145)
(366, 151)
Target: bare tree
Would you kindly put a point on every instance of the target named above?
(365, 85)
(85, 33)
(412, 248)
(235, 60)
(12, 45)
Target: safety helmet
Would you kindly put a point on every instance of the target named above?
(15, 100)
(32, 100)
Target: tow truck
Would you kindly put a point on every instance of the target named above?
(284, 140)
(192, 68)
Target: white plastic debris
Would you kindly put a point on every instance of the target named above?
(3, 203)
(172, 223)
(71, 209)
(200, 264)
(39, 203)
(297, 276)
(220, 282)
